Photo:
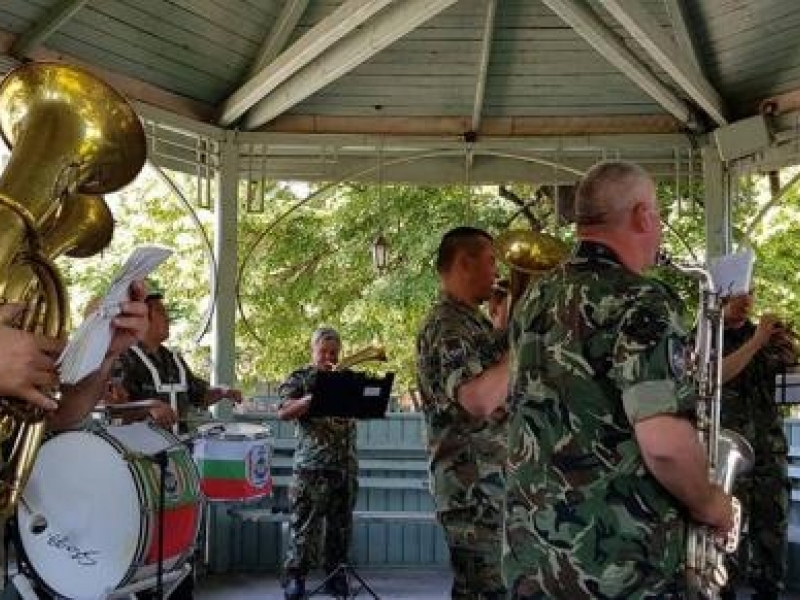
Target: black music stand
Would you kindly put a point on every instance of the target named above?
(350, 394)
(353, 395)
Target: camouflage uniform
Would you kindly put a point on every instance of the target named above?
(749, 408)
(325, 484)
(594, 349)
(456, 343)
(138, 381)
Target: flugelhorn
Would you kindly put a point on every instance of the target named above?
(373, 352)
(528, 254)
(70, 134)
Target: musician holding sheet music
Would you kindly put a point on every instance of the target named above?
(29, 362)
(150, 370)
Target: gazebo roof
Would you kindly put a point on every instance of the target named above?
(485, 90)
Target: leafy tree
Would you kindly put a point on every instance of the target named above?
(315, 268)
(304, 263)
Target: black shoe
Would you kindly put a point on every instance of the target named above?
(337, 586)
(727, 593)
(295, 589)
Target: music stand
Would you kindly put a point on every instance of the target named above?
(349, 394)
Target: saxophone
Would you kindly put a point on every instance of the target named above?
(73, 138)
(728, 454)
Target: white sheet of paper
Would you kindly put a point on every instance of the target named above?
(88, 344)
(733, 273)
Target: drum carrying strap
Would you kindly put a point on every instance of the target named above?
(171, 389)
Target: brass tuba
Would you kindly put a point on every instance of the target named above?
(73, 137)
(528, 254)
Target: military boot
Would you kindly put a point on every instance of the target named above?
(295, 588)
(727, 593)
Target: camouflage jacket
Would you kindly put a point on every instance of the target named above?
(455, 344)
(594, 349)
(748, 400)
(323, 442)
(137, 379)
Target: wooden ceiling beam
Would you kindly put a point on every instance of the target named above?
(683, 34)
(384, 29)
(279, 34)
(59, 14)
(483, 64)
(490, 126)
(667, 55)
(349, 16)
(588, 25)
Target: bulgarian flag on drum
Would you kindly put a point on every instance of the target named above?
(233, 470)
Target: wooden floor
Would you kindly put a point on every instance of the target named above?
(388, 584)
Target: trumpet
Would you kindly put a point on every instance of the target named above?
(374, 351)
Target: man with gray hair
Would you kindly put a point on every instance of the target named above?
(323, 493)
(604, 467)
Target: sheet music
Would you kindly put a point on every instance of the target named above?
(89, 343)
(733, 273)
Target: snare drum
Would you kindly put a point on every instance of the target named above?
(101, 507)
(234, 461)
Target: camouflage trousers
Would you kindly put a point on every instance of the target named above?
(322, 504)
(475, 547)
(762, 556)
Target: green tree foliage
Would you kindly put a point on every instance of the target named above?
(147, 212)
(307, 263)
(315, 268)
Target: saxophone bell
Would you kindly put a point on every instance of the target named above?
(728, 454)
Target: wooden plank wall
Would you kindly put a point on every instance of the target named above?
(259, 545)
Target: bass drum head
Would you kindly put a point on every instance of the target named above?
(83, 488)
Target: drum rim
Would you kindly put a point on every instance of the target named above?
(147, 513)
(262, 433)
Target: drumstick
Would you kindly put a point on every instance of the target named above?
(129, 406)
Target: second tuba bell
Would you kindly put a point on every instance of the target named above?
(528, 254)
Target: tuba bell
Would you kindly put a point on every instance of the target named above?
(72, 138)
(528, 254)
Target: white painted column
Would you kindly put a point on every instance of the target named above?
(717, 203)
(223, 347)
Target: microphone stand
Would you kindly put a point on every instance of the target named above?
(161, 459)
